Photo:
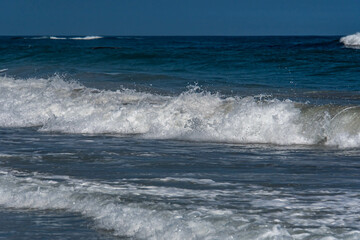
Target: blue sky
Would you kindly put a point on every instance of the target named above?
(179, 17)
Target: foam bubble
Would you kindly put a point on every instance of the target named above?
(352, 41)
(69, 107)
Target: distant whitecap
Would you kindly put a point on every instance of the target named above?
(351, 41)
(86, 38)
(57, 38)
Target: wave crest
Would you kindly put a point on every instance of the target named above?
(69, 107)
(67, 38)
(352, 41)
(86, 38)
(57, 38)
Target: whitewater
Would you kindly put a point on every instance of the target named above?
(352, 41)
(57, 106)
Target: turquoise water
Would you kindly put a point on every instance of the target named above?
(179, 137)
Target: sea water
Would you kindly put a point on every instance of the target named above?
(180, 137)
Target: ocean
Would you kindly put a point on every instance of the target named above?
(105, 137)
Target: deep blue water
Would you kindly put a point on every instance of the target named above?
(179, 137)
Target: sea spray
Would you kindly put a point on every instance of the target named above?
(55, 105)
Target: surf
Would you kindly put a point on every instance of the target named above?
(56, 105)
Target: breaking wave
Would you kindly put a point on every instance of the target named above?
(86, 38)
(352, 41)
(68, 38)
(55, 105)
(57, 38)
(111, 207)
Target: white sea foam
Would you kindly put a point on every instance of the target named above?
(3, 155)
(141, 221)
(57, 38)
(68, 107)
(111, 207)
(86, 38)
(352, 41)
(65, 38)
